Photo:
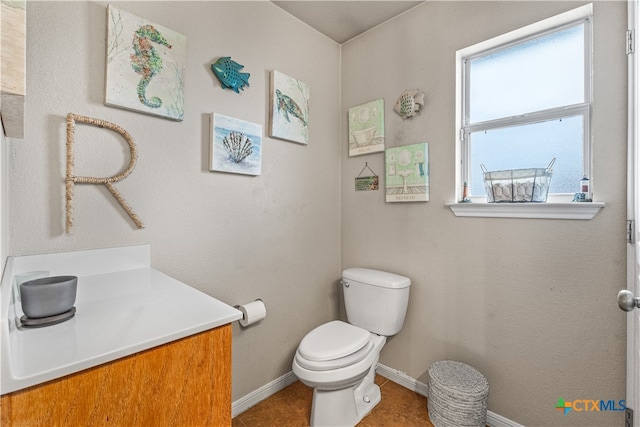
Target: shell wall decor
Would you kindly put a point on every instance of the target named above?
(409, 103)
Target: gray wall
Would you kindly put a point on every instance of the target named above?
(530, 303)
(4, 203)
(236, 237)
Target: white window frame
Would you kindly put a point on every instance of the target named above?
(562, 207)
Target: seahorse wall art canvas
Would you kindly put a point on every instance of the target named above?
(407, 173)
(236, 145)
(366, 128)
(289, 108)
(145, 66)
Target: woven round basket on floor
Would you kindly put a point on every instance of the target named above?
(457, 395)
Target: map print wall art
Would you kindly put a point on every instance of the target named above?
(145, 65)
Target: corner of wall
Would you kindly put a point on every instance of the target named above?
(342, 132)
(4, 208)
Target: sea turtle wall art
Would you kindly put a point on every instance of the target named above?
(289, 108)
(145, 65)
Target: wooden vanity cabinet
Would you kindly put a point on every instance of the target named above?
(182, 383)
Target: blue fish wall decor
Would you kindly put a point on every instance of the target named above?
(227, 71)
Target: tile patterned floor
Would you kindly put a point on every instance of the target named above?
(291, 407)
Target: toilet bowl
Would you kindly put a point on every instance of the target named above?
(344, 388)
(352, 364)
(339, 359)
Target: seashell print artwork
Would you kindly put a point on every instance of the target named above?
(236, 145)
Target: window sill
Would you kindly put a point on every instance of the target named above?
(568, 210)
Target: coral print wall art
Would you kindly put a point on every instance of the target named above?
(407, 173)
(366, 128)
(145, 65)
(289, 108)
(236, 145)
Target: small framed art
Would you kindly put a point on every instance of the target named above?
(236, 146)
(366, 128)
(145, 65)
(289, 108)
(407, 173)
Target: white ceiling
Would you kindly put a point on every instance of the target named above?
(343, 20)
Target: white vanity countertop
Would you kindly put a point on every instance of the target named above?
(123, 306)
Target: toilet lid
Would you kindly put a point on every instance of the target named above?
(335, 363)
(333, 340)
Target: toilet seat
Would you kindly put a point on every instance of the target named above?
(333, 345)
(327, 365)
(333, 340)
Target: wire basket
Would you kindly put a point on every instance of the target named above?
(518, 185)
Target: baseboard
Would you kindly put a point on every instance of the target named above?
(399, 377)
(257, 396)
(495, 420)
(403, 379)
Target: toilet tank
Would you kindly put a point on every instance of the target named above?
(375, 300)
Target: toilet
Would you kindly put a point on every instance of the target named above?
(338, 359)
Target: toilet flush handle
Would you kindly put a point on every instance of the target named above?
(345, 284)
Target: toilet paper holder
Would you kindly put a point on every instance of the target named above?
(252, 312)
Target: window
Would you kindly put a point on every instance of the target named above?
(525, 98)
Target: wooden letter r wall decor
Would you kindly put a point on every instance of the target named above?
(71, 179)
